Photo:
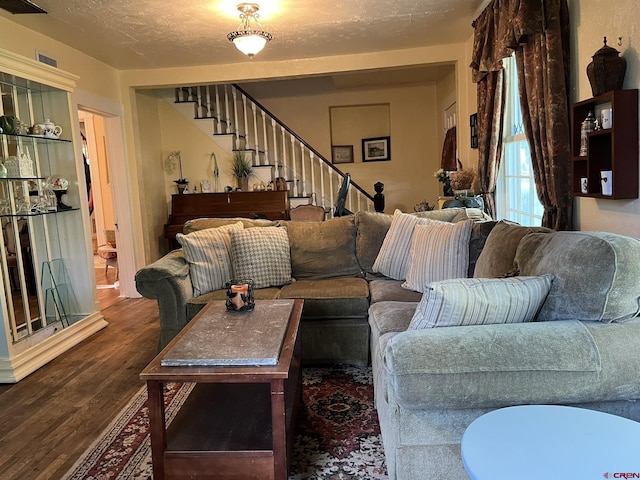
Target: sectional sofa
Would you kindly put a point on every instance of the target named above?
(575, 340)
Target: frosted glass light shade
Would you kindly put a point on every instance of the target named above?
(250, 44)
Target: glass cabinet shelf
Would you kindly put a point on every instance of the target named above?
(38, 138)
(35, 214)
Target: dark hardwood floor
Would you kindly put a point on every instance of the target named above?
(48, 419)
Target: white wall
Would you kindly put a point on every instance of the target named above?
(591, 20)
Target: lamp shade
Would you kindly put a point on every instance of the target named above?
(246, 38)
(250, 44)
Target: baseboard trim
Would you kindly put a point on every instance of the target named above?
(14, 369)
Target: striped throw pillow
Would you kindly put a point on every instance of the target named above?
(393, 257)
(208, 253)
(481, 301)
(262, 255)
(439, 251)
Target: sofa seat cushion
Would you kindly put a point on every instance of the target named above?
(195, 304)
(323, 249)
(387, 289)
(495, 365)
(341, 297)
(595, 274)
(386, 317)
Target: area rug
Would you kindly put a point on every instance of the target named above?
(338, 436)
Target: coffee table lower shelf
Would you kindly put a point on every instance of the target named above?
(226, 431)
(223, 428)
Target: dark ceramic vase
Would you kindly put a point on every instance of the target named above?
(606, 71)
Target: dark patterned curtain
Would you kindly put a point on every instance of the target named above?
(490, 121)
(537, 30)
(449, 151)
(543, 78)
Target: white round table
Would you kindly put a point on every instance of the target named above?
(548, 442)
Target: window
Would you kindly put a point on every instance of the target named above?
(516, 197)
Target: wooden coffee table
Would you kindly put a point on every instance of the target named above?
(239, 420)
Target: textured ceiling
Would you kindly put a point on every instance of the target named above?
(169, 33)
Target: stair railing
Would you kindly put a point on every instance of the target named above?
(273, 143)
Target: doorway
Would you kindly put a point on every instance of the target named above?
(101, 207)
(114, 146)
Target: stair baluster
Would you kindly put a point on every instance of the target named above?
(247, 140)
(226, 109)
(266, 138)
(275, 148)
(256, 139)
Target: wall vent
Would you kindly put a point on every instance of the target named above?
(41, 57)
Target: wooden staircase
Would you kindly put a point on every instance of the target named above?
(240, 123)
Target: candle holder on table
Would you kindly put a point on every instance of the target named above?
(240, 295)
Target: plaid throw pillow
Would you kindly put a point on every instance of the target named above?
(261, 254)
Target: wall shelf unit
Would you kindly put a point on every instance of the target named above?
(48, 302)
(612, 149)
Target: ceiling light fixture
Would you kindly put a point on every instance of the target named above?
(245, 38)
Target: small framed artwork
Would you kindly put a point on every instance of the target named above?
(473, 126)
(342, 153)
(376, 149)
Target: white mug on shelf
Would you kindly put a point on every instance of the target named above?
(605, 116)
(606, 178)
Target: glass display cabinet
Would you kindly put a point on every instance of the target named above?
(49, 297)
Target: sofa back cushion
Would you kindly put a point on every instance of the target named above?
(372, 227)
(497, 256)
(323, 249)
(596, 274)
(479, 235)
(202, 223)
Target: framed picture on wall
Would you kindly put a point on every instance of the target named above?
(376, 149)
(473, 130)
(342, 153)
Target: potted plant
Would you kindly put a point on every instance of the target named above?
(241, 169)
(443, 177)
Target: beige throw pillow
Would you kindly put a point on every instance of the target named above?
(393, 258)
(208, 253)
(481, 301)
(439, 251)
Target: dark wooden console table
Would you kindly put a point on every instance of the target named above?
(273, 204)
(239, 419)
